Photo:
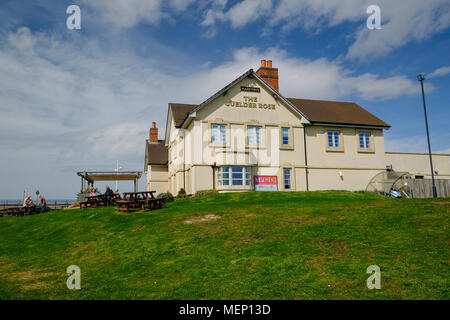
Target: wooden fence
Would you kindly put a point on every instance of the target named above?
(423, 188)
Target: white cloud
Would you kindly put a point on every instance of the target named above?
(240, 14)
(439, 72)
(403, 21)
(125, 14)
(325, 79)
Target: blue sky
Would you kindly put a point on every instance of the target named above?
(76, 100)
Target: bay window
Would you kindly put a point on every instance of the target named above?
(234, 176)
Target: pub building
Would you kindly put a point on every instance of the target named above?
(248, 136)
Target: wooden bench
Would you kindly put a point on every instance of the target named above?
(20, 211)
(124, 205)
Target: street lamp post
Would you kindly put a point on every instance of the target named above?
(117, 169)
(421, 77)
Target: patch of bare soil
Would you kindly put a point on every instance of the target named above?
(208, 217)
(443, 203)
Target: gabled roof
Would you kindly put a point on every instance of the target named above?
(249, 73)
(180, 111)
(334, 112)
(311, 111)
(157, 153)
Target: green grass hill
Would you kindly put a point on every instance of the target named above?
(254, 245)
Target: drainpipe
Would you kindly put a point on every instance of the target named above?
(306, 158)
(214, 175)
(184, 160)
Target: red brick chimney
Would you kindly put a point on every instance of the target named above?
(269, 74)
(153, 133)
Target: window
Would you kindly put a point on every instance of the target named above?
(333, 139)
(234, 176)
(287, 178)
(364, 140)
(218, 133)
(285, 136)
(254, 135)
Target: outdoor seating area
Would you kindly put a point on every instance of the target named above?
(20, 211)
(144, 200)
(101, 200)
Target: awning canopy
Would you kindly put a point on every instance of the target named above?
(93, 176)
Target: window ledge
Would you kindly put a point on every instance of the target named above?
(218, 145)
(335, 150)
(234, 188)
(366, 151)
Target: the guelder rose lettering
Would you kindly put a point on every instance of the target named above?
(250, 102)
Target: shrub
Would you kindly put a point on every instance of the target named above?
(167, 196)
(181, 194)
(205, 192)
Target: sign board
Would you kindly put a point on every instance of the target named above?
(250, 89)
(266, 183)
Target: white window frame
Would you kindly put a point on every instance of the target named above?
(288, 136)
(364, 138)
(289, 176)
(334, 134)
(226, 178)
(221, 129)
(259, 138)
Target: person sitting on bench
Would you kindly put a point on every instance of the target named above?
(43, 203)
(93, 193)
(109, 193)
(28, 203)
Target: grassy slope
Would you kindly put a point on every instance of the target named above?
(313, 245)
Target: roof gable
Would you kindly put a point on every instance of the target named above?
(180, 112)
(249, 73)
(157, 153)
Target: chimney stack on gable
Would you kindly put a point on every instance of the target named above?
(153, 138)
(268, 73)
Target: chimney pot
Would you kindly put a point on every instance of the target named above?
(153, 133)
(269, 74)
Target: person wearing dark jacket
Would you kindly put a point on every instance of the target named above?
(109, 193)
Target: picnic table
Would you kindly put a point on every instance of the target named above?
(20, 211)
(100, 200)
(140, 199)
